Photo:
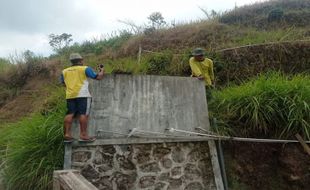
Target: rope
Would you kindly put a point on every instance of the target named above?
(219, 137)
(203, 136)
(261, 44)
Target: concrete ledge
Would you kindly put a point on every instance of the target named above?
(139, 141)
(70, 180)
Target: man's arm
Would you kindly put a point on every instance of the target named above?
(211, 72)
(91, 74)
(195, 70)
(62, 80)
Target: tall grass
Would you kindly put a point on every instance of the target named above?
(33, 148)
(4, 65)
(273, 105)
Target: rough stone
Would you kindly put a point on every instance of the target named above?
(164, 176)
(174, 184)
(176, 172)
(178, 155)
(147, 181)
(101, 158)
(104, 183)
(160, 152)
(143, 157)
(90, 173)
(127, 149)
(194, 186)
(196, 154)
(124, 181)
(191, 172)
(104, 168)
(205, 166)
(166, 163)
(160, 186)
(81, 156)
(143, 147)
(125, 163)
(151, 167)
(108, 149)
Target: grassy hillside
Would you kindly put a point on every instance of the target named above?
(274, 13)
(244, 43)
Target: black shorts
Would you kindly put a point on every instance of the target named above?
(78, 106)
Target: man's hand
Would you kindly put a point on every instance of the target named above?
(101, 67)
(101, 72)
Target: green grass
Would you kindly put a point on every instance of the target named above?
(273, 105)
(4, 65)
(252, 36)
(33, 148)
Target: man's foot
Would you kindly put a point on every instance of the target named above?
(68, 139)
(87, 139)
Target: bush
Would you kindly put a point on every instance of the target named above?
(32, 149)
(275, 15)
(158, 63)
(273, 105)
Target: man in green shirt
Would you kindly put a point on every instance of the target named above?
(202, 68)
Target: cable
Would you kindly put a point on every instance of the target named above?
(219, 137)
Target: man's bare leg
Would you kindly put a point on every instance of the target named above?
(67, 126)
(83, 119)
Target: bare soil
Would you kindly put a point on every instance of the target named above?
(267, 166)
(30, 98)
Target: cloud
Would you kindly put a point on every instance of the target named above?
(45, 16)
(26, 24)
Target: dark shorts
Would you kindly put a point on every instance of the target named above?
(78, 106)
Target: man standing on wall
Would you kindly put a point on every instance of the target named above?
(78, 96)
(202, 68)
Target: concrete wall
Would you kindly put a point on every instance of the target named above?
(150, 104)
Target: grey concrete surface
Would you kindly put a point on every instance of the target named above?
(149, 103)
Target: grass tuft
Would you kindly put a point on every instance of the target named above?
(33, 148)
(273, 105)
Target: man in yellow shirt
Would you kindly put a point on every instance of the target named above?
(202, 68)
(75, 78)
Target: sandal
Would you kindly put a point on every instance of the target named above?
(68, 139)
(90, 139)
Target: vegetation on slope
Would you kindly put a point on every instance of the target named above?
(272, 105)
(274, 13)
(31, 149)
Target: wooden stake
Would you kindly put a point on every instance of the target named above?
(303, 143)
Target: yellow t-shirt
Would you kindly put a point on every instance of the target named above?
(203, 68)
(75, 79)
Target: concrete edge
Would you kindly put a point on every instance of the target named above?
(216, 166)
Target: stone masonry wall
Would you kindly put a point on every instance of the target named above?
(162, 166)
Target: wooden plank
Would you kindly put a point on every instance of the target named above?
(303, 143)
(71, 180)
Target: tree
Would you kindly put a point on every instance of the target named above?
(59, 42)
(157, 20)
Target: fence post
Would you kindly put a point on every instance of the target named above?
(139, 54)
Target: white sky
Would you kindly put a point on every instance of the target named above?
(26, 24)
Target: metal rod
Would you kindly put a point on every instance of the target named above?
(237, 138)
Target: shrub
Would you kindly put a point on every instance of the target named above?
(275, 15)
(158, 63)
(32, 149)
(273, 105)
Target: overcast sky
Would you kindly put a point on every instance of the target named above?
(26, 24)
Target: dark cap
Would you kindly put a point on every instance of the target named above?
(75, 56)
(198, 51)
